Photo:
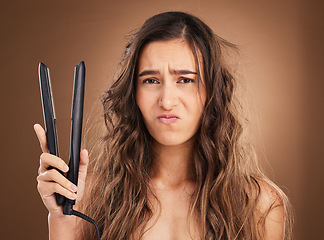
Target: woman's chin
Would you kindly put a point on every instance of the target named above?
(172, 141)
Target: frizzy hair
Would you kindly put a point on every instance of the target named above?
(227, 176)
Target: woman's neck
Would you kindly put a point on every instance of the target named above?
(173, 165)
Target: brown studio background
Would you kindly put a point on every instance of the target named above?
(281, 63)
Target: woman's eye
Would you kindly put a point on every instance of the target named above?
(150, 81)
(186, 80)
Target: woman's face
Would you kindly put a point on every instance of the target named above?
(167, 91)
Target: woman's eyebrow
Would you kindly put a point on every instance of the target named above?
(175, 72)
(148, 72)
(182, 71)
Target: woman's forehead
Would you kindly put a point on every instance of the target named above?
(177, 54)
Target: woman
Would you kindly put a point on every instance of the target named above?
(174, 165)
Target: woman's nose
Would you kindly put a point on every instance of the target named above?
(169, 97)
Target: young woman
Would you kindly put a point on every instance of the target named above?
(173, 164)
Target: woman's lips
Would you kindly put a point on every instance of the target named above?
(168, 118)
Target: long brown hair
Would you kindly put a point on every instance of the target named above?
(227, 175)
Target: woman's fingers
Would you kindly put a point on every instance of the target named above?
(51, 181)
(47, 189)
(83, 167)
(48, 160)
(41, 135)
(54, 176)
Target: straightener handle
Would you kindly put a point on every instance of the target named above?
(76, 127)
(49, 116)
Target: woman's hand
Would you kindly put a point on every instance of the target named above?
(50, 181)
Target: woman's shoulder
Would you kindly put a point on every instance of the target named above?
(268, 195)
(270, 209)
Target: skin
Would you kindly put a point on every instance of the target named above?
(171, 103)
(51, 181)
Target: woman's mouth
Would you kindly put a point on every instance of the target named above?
(168, 118)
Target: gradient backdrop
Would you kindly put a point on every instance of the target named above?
(280, 67)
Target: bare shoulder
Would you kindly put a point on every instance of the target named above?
(270, 210)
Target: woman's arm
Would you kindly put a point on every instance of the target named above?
(50, 181)
(61, 227)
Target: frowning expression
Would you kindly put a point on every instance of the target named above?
(168, 93)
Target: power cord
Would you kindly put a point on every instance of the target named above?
(68, 210)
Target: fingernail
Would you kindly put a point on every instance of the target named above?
(74, 196)
(65, 168)
(74, 188)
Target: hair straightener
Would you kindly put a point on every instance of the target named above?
(76, 130)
